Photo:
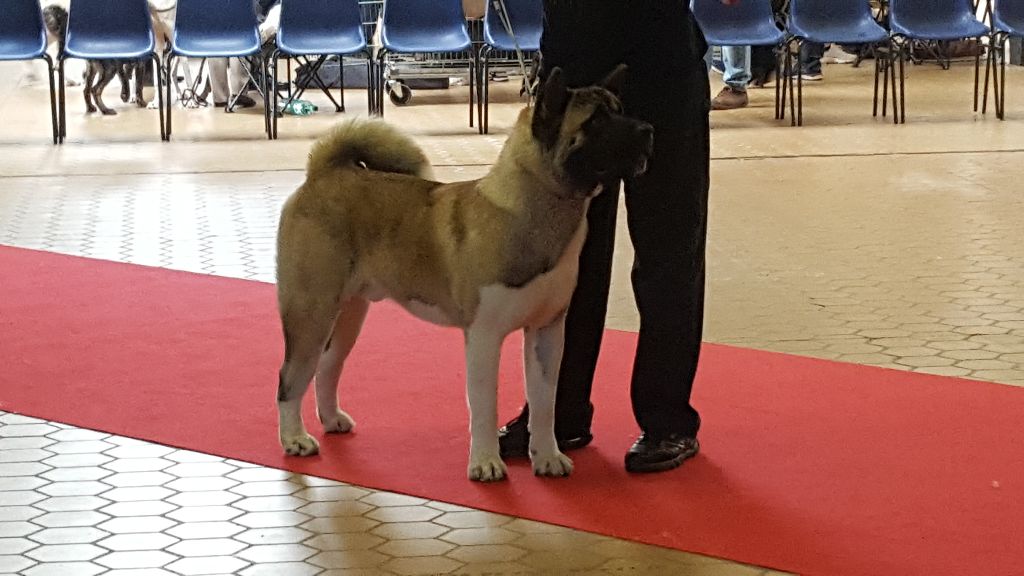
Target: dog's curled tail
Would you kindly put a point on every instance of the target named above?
(371, 144)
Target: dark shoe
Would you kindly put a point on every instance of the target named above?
(730, 99)
(243, 101)
(514, 439)
(656, 454)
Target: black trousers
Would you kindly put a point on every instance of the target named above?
(667, 208)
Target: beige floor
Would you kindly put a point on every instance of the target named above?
(848, 238)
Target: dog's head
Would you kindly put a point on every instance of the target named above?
(56, 19)
(585, 135)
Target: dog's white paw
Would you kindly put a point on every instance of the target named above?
(486, 468)
(301, 445)
(553, 464)
(338, 423)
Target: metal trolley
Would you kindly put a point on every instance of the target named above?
(435, 68)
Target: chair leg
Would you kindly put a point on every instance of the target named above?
(473, 72)
(53, 98)
(62, 104)
(369, 85)
(485, 91)
(902, 97)
(274, 58)
(787, 65)
(799, 85)
(168, 111)
(778, 83)
(341, 84)
(977, 74)
(1001, 110)
(381, 64)
(874, 102)
(989, 64)
(156, 65)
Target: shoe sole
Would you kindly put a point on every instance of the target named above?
(663, 466)
(575, 444)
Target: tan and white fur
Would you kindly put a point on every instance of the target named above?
(490, 256)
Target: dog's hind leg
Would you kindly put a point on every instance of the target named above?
(346, 330)
(124, 74)
(140, 70)
(542, 353)
(90, 77)
(483, 355)
(307, 327)
(109, 72)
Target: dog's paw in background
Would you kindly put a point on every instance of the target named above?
(552, 464)
(301, 445)
(337, 423)
(487, 468)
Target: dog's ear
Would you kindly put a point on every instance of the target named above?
(553, 94)
(552, 99)
(616, 80)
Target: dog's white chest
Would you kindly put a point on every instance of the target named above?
(538, 302)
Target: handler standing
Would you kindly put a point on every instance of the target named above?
(666, 86)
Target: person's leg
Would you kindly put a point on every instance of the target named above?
(667, 217)
(811, 54)
(737, 67)
(737, 77)
(219, 79)
(238, 80)
(585, 42)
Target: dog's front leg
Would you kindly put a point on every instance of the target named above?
(542, 353)
(483, 354)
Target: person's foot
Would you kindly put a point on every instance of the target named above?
(652, 453)
(243, 101)
(809, 76)
(730, 99)
(514, 439)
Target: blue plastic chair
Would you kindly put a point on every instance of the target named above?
(747, 23)
(109, 30)
(320, 28)
(839, 22)
(932, 20)
(1007, 22)
(217, 29)
(422, 26)
(23, 37)
(526, 19)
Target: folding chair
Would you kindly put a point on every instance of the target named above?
(320, 28)
(932, 20)
(422, 26)
(526, 20)
(218, 29)
(839, 22)
(23, 37)
(109, 30)
(1007, 22)
(748, 23)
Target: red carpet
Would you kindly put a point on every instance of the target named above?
(808, 466)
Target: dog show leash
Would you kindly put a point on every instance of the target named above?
(502, 11)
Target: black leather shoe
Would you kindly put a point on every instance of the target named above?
(514, 439)
(659, 453)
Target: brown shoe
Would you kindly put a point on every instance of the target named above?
(730, 99)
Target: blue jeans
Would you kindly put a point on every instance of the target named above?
(737, 66)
